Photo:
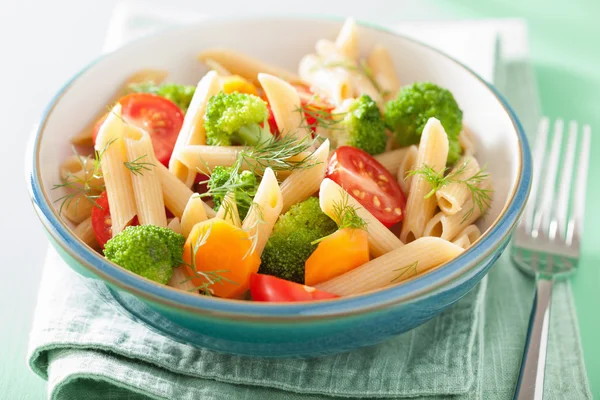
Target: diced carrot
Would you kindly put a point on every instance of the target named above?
(236, 83)
(340, 252)
(223, 255)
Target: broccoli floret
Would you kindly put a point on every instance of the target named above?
(407, 115)
(290, 245)
(235, 118)
(361, 126)
(244, 186)
(147, 250)
(178, 94)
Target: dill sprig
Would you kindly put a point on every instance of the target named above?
(345, 215)
(280, 154)
(254, 229)
(210, 277)
(137, 166)
(322, 117)
(481, 196)
(405, 270)
(82, 187)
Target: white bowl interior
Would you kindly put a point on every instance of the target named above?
(282, 42)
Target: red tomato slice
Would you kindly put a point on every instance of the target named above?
(160, 117)
(270, 288)
(272, 124)
(369, 182)
(101, 221)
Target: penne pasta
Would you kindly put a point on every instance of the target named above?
(451, 197)
(77, 208)
(433, 152)
(204, 158)
(175, 225)
(228, 211)
(181, 281)
(147, 190)
(85, 232)
(448, 226)
(303, 183)
(326, 49)
(347, 40)
(467, 237)
(409, 261)
(192, 131)
(406, 165)
(79, 172)
(248, 67)
(176, 194)
(264, 211)
(391, 160)
(363, 85)
(285, 105)
(117, 178)
(84, 138)
(381, 239)
(384, 73)
(467, 141)
(193, 213)
(215, 66)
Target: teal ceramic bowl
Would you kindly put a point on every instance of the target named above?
(298, 329)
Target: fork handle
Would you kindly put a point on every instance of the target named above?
(530, 385)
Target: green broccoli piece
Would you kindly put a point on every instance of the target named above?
(407, 115)
(147, 250)
(178, 94)
(290, 244)
(235, 118)
(225, 179)
(361, 126)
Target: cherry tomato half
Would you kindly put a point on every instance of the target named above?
(101, 221)
(160, 117)
(369, 182)
(270, 288)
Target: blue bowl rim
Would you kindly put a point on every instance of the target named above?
(164, 295)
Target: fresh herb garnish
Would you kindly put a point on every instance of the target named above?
(405, 270)
(345, 216)
(138, 166)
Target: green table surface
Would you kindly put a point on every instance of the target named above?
(563, 36)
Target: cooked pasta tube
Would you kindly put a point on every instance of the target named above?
(264, 211)
(451, 197)
(407, 164)
(399, 265)
(334, 82)
(467, 237)
(448, 226)
(77, 208)
(285, 105)
(192, 131)
(381, 239)
(433, 152)
(467, 141)
(176, 194)
(84, 138)
(175, 225)
(347, 40)
(228, 211)
(79, 172)
(193, 213)
(215, 66)
(248, 67)
(117, 178)
(147, 190)
(384, 73)
(363, 85)
(326, 49)
(391, 160)
(204, 159)
(303, 183)
(180, 280)
(85, 232)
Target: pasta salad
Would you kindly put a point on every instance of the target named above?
(267, 185)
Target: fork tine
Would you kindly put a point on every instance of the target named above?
(561, 210)
(575, 228)
(541, 219)
(538, 159)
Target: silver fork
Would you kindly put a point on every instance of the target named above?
(548, 237)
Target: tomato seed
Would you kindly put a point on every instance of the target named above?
(383, 178)
(376, 201)
(397, 211)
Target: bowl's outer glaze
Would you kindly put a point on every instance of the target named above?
(284, 330)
